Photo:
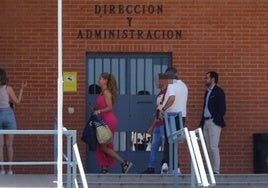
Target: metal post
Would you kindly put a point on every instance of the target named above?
(193, 178)
(75, 163)
(205, 153)
(55, 145)
(175, 167)
(69, 160)
(199, 161)
(192, 154)
(170, 145)
(80, 166)
(60, 95)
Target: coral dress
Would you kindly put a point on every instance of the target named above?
(103, 159)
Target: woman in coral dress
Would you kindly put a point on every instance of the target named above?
(105, 101)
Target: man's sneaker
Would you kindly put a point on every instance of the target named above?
(10, 172)
(125, 166)
(2, 172)
(164, 169)
(148, 171)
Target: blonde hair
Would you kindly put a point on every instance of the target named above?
(111, 85)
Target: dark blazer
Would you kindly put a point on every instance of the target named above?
(216, 106)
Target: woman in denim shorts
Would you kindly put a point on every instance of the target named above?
(7, 117)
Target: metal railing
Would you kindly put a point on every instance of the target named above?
(198, 174)
(71, 158)
(175, 137)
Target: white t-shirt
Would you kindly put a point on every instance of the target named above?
(180, 91)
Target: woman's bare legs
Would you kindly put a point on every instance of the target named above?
(10, 151)
(112, 153)
(2, 150)
(125, 165)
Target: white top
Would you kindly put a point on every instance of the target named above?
(180, 91)
(4, 98)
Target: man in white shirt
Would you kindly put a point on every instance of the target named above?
(175, 101)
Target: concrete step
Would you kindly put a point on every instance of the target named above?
(28, 180)
(134, 180)
(167, 180)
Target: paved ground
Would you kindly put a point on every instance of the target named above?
(28, 180)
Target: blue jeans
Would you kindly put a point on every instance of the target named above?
(157, 141)
(7, 119)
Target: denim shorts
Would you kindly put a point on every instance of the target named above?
(7, 119)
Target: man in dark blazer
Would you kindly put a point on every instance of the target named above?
(212, 120)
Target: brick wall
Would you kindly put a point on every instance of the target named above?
(229, 36)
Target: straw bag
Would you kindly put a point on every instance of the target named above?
(103, 132)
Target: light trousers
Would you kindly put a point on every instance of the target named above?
(212, 134)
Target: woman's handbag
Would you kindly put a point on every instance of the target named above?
(103, 132)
